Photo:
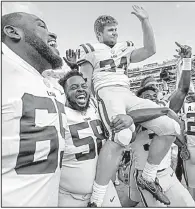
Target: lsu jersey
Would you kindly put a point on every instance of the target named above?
(110, 64)
(33, 130)
(83, 141)
(189, 118)
(140, 149)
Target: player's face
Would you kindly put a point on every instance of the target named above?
(37, 36)
(151, 95)
(109, 35)
(77, 92)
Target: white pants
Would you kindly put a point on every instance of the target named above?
(174, 190)
(67, 199)
(119, 100)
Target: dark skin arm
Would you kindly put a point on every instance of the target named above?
(143, 115)
(177, 99)
(139, 116)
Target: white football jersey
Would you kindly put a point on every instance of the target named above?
(33, 130)
(83, 141)
(140, 149)
(110, 64)
(189, 111)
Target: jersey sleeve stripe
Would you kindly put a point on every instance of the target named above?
(91, 47)
(130, 43)
(93, 101)
(81, 61)
(85, 48)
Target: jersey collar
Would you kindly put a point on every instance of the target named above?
(6, 51)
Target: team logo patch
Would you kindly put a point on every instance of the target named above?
(111, 200)
(123, 49)
(112, 51)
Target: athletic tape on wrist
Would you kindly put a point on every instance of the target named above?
(187, 64)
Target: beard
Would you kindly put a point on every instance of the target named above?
(75, 106)
(43, 49)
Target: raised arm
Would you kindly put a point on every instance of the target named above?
(81, 64)
(87, 70)
(177, 99)
(149, 47)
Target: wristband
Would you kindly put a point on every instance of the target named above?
(187, 64)
(74, 67)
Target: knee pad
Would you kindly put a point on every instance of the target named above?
(124, 137)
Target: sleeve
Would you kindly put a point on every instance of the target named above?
(93, 101)
(85, 53)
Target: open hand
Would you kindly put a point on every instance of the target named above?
(121, 122)
(140, 12)
(70, 58)
(184, 153)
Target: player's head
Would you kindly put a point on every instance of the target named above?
(105, 28)
(27, 35)
(76, 90)
(148, 92)
(149, 81)
(190, 97)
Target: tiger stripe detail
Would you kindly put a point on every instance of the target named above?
(91, 47)
(130, 43)
(87, 48)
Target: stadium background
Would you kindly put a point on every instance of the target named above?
(137, 74)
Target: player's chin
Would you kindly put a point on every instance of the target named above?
(82, 103)
(54, 50)
(113, 42)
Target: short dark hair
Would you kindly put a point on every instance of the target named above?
(9, 19)
(146, 88)
(70, 74)
(146, 80)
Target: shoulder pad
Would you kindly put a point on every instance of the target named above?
(85, 53)
(87, 48)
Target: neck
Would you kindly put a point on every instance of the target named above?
(106, 43)
(31, 56)
(109, 45)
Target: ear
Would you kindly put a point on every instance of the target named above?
(12, 32)
(99, 36)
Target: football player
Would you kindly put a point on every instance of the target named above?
(188, 127)
(72, 192)
(83, 140)
(33, 115)
(106, 64)
(183, 86)
(176, 193)
(174, 190)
